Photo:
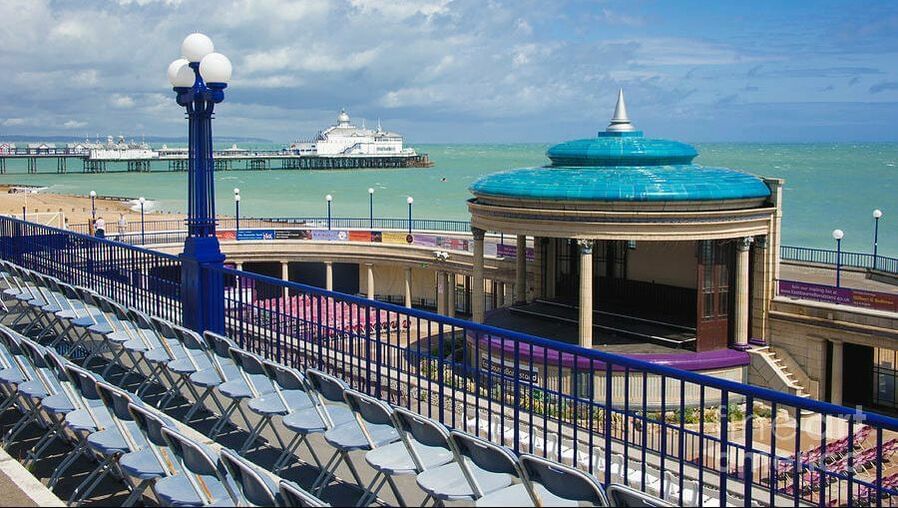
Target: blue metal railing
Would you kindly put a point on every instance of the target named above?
(787, 252)
(525, 391)
(829, 257)
(456, 226)
(148, 280)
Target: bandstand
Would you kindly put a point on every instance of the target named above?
(632, 238)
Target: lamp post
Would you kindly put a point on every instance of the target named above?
(370, 207)
(410, 200)
(142, 231)
(877, 214)
(838, 234)
(93, 208)
(199, 78)
(328, 198)
(237, 208)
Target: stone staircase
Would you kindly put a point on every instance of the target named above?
(774, 368)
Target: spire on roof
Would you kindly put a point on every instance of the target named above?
(620, 122)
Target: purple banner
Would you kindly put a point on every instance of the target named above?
(329, 235)
(840, 296)
(511, 251)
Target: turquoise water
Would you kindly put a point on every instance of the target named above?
(828, 186)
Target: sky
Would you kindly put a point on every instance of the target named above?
(461, 71)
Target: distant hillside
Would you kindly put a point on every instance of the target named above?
(24, 138)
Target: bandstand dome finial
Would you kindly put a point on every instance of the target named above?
(620, 122)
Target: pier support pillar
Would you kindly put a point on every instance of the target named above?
(520, 281)
(370, 268)
(740, 334)
(585, 292)
(328, 275)
(450, 294)
(835, 389)
(285, 275)
(477, 278)
(408, 287)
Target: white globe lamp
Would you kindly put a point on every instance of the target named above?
(196, 46)
(215, 68)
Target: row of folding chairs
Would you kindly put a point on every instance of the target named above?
(447, 465)
(123, 437)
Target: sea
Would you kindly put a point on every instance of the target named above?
(827, 186)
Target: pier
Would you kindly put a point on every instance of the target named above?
(58, 160)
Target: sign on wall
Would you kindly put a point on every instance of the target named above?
(840, 296)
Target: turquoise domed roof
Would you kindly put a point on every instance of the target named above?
(621, 164)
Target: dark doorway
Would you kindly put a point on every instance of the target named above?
(310, 274)
(346, 278)
(857, 375)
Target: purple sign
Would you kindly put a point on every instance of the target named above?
(839, 296)
(511, 251)
(328, 235)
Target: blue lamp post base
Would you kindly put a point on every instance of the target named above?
(202, 285)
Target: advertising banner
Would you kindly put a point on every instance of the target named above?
(328, 235)
(425, 240)
(841, 296)
(393, 237)
(292, 234)
(511, 251)
(255, 234)
(226, 235)
(361, 236)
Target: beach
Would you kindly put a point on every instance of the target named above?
(56, 209)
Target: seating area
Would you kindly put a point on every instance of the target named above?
(171, 417)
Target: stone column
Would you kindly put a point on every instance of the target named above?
(551, 263)
(500, 294)
(585, 292)
(450, 295)
(441, 293)
(835, 389)
(477, 278)
(740, 334)
(408, 287)
(370, 268)
(329, 275)
(285, 275)
(520, 280)
(239, 265)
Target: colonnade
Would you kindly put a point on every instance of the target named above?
(546, 288)
(446, 286)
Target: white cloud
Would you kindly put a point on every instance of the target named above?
(13, 122)
(401, 9)
(74, 124)
(122, 101)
